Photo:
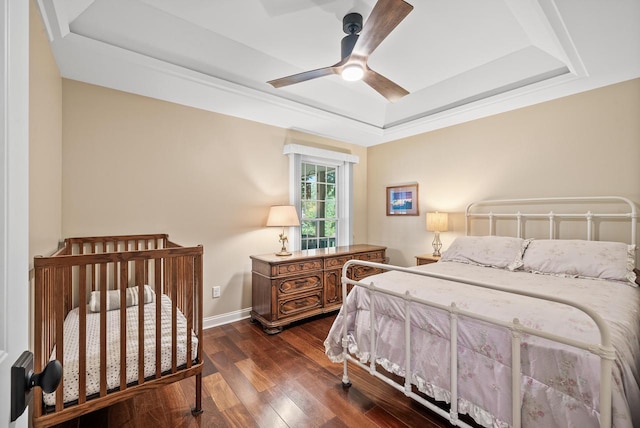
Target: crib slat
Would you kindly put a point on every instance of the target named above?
(158, 288)
(82, 336)
(39, 311)
(198, 324)
(94, 271)
(51, 313)
(59, 318)
(187, 308)
(103, 329)
(140, 327)
(124, 274)
(49, 318)
(68, 300)
(174, 315)
(199, 316)
(183, 279)
(179, 280)
(140, 266)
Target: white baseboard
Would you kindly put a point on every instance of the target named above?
(227, 318)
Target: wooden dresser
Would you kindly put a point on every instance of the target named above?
(304, 284)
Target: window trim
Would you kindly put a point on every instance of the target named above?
(344, 163)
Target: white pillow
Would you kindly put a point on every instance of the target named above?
(502, 252)
(113, 298)
(612, 261)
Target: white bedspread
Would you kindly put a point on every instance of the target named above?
(560, 384)
(70, 366)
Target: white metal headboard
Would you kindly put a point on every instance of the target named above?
(629, 213)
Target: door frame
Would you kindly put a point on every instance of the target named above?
(14, 195)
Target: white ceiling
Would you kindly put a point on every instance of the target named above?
(459, 59)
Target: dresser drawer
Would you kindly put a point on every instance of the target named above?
(336, 262)
(288, 307)
(296, 267)
(298, 284)
(359, 272)
(374, 256)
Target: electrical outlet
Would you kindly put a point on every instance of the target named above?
(216, 292)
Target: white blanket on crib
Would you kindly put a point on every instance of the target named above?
(71, 352)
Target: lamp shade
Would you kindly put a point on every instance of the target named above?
(437, 222)
(283, 215)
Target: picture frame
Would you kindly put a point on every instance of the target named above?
(402, 200)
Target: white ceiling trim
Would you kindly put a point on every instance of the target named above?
(109, 66)
(88, 60)
(559, 29)
(56, 25)
(98, 63)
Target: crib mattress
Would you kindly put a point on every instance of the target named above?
(71, 349)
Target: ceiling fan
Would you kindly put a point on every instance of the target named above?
(356, 48)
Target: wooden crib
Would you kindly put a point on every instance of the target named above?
(89, 280)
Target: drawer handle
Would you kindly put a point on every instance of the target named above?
(301, 281)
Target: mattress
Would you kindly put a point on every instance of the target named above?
(560, 384)
(71, 364)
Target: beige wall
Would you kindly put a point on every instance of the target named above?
(133, 164)
(585, 144)
(137, 165)
(45, 142)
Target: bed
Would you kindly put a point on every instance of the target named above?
(91, 291)
(507, 330)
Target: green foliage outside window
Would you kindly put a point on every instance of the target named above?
(318, 206)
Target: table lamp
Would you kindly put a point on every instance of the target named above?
(283, 216)
(437, 222)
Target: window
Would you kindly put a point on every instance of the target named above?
(318, 206)
(321, 190)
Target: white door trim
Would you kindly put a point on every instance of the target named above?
(14, 194)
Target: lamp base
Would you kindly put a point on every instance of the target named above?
(437, 245)
(283, 251)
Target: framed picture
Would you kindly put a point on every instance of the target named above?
(402, 200)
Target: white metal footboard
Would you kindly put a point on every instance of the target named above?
(603, 349)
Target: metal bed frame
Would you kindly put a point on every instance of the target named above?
(603, 349)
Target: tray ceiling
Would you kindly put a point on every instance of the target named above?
(459, 59)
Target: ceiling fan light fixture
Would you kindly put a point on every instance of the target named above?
(352, 72)
(356, 47)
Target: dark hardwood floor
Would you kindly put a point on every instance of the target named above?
(255, 380)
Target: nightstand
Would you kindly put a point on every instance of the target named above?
(425, 259)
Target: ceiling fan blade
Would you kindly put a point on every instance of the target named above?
(385, 87)
(384, 17)
(301, 77)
